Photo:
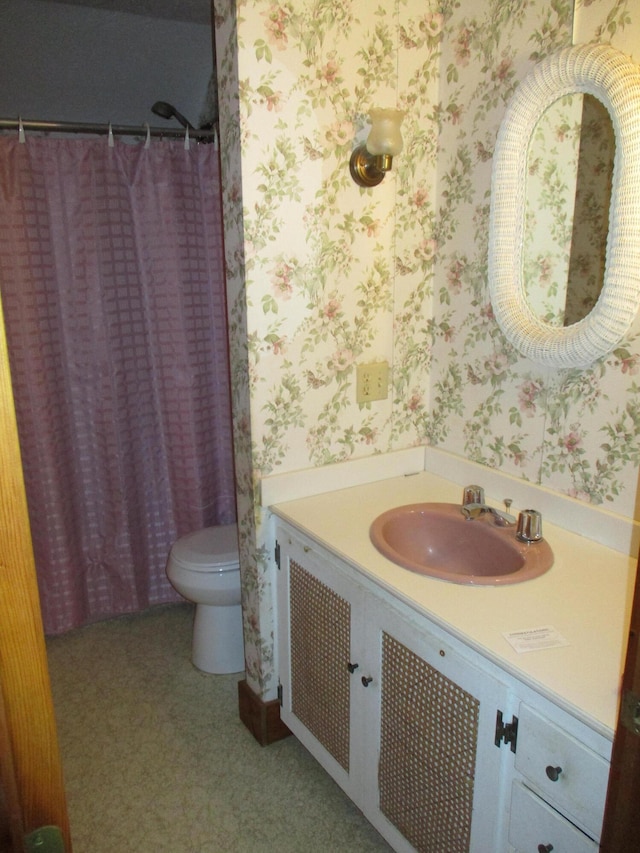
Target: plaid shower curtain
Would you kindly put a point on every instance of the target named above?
(112, 283)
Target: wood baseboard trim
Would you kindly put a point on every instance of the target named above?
(261, 718)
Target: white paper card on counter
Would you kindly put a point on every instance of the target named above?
(535, 639)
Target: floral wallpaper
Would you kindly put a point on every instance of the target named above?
(323, 275)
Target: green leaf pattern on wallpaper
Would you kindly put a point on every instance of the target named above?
(336, 275)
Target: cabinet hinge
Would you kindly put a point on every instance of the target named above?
(280, 694)
(506, 732)
(277, 554)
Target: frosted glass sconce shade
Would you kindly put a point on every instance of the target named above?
(370, 162)
(385, 136)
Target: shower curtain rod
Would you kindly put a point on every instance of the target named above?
(116, 129)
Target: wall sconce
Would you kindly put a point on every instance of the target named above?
(371, 161)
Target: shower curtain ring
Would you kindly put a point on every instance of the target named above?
(147, 142)
(21, 136)
(186, 139)
(111, 143)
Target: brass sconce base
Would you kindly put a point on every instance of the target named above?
(368, 170)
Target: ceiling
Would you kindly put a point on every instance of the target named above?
(194, 11)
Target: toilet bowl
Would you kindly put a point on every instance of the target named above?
(204, 567)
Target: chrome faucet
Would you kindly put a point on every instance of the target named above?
(502, 519)
(529, 520)
(473, 506)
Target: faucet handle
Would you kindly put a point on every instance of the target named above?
(472, 495)
(529, 526)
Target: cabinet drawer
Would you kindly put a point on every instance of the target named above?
(534, 826)
(581, 784)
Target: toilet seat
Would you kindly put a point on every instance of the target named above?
(213, 549)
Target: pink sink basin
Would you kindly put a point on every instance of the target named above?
(435, 539)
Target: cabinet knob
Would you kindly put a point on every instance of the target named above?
(352, 666)
(553, 772)
(545, 848)
(366, 680)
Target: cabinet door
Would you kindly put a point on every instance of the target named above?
(400, 715)
(317, 607)
(440, 775)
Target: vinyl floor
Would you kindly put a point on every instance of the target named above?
(156, 759)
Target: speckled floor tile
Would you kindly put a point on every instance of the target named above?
(156, 759)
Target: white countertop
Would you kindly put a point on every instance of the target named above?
(586, 595)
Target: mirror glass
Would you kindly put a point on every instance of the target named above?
(536, 212)
(568, 194)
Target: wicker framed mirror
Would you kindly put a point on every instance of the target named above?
(612, 78)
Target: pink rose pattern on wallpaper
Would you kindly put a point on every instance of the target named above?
(323, 275)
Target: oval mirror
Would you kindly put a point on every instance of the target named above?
(568, 195)
(610, 77)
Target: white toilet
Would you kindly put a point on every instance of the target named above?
(204, 567)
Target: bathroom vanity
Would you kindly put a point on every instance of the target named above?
(457, 718)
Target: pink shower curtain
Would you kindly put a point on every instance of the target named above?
(112, 283)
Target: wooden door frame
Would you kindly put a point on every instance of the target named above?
(31, 772)
(621, 828)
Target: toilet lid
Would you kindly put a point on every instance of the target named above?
(213, 549)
